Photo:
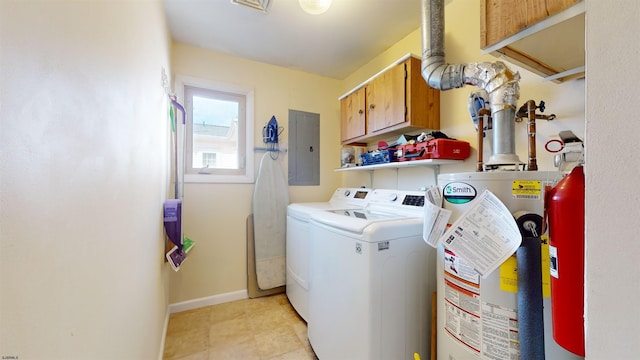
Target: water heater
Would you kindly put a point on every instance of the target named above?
(477, 318)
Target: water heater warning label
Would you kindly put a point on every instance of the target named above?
(488, 330)
(509, 270)
(499, 332)
(526, 189)
(462, 302)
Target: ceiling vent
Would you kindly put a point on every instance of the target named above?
(260, 5)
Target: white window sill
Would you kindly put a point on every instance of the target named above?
(217, 179)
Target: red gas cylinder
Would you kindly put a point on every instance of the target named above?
(565, 209)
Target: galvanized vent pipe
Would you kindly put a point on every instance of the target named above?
(496, 78)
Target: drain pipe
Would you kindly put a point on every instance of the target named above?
(496, 78)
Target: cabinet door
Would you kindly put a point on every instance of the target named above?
(353, 115)
(386, 95)
(545, 37)
(501, 19)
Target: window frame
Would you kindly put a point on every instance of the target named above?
(240, 176)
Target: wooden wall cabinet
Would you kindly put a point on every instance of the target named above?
(386, 99)
(397, 100)
(352, 115)
(543, 36)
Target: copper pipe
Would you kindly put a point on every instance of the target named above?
(479, 167)
(481, 115)
(531, 112)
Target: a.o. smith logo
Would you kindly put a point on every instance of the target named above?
(459, 193)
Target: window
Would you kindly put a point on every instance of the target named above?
(218, 132)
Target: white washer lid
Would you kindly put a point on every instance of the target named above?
(304, 210)
(353, 220)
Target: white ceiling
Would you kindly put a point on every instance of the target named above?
(333, 44)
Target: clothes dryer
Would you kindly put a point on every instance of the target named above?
(297, 248)
(372, 280)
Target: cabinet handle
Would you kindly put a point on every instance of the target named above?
(360, 111)
(371, 106)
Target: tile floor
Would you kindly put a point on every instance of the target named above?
(266, 328)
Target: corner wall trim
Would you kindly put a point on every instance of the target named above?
(164, 335)
(208, 301)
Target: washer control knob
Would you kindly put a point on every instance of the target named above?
(393, 197)
(347, 193)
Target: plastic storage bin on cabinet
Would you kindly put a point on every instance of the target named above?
(379, 157)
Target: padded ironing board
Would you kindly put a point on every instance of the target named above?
(270, 200)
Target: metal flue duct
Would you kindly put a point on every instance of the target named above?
(496, 78)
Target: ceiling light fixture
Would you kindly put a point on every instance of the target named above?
(315, 7)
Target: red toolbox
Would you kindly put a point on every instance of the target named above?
(435, 149)
(417, 151)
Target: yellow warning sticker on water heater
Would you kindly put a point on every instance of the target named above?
(526, 189)
(546, 267)
(509, 275)
(509, 271)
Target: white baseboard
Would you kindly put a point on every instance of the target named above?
(207, 301)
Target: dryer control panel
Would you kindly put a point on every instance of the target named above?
(397, 200)
(351, 195)
(413, 200)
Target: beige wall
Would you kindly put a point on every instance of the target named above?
(215, 214)
(84, 173)
(611, 175)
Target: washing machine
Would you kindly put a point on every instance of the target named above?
(297, 248)
(372, 279)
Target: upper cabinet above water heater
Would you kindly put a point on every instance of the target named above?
(544, 36)
(397, 100)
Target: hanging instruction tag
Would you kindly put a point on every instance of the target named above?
(435, 217)
(485, 235)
